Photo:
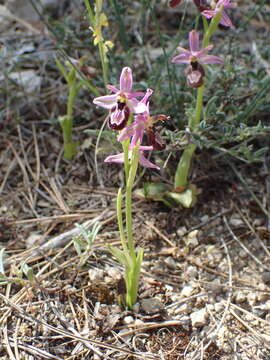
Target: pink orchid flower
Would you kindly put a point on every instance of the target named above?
(122, 102)
(144, 123)
(216, 6)
(137, 128)
(143, 161)
(195, 54)
(195, 57)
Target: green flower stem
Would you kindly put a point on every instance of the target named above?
(212, 28)
(129, 257)
(205, 24)
(125, 145)
(129, 185)
(194, 121)
(120, 221)
(67, 123)
(94, 19)
(183, 167)
(104, 63)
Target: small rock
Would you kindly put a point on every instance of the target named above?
(192, 272)
(175, 297)
(184, 308)
(267, 305)
(168, 289)
(139, 323)
(258, 222)
(186, 322)
(252, 298)
(151, 306)
(263, 295)
(240, 297)
(128, 320)
(266, 336)
(34, 240)
(96, 275)
(219, 306)
(210, 307)
(187, 291)
(136, 307)
(114, 273)
(27, 79)
(215, 287)
(199, 318)
(255, 244)
(181, 231)
(171, 263)
(236, 222)
(204, 218)
(191, 239)
(259, 312)
(266, 277)
(243, 254)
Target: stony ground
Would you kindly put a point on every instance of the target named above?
(205, 285)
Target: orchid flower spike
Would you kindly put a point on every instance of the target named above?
(144, 123)
(122, 102)
(215, 8)
(143, 161)
(195, 57)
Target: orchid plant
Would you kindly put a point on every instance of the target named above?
(74, 83)
(196, 59)
(131, 118)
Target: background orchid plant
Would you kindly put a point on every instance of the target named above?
(196, 59)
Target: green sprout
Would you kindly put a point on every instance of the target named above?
(83, 242)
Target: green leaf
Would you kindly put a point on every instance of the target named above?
(187, 198)
(78, 245)
(132, 277)
(28, 272)
(152, 191)
(119, 255)
(61, 69)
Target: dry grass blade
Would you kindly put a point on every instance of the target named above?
(252, 230)
(56, 218)
(150, 326)
(37, 155)
(257, 335)
(67, 326)
(243, 246)
(203, 348)
(10, 168)
(26, 179)
(38, 353)
(159, 233)
(7, 343)
(68, 334)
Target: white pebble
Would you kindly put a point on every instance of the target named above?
(199, 318)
